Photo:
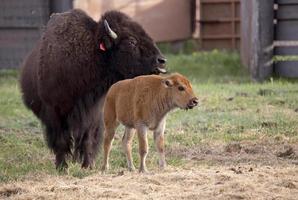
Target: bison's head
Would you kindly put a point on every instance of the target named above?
(127, 47)
(181, 92)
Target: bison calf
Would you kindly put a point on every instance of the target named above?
(142, 103)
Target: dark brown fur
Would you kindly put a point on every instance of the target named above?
(65, 77)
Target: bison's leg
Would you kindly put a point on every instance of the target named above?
(143, 147)
(62, 149)
(57, 135)
(60, 142)
(60, 161)
(88, 136)
(126, 144)
(96, 133)
(90, 145)
(83, 147)
(159, 143)
(87, 149)
(77, 155)
(108, 139)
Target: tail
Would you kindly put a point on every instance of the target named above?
(100, 131)
(101, 123)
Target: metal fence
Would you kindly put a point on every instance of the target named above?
(269, 37)
(21, 23)
(286, 37)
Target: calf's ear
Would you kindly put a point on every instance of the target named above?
(167, 82)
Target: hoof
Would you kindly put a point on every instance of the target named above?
(87, 166)
(104, 168)
(162, 167)
(61, 166)
(131, 169)
(143, 171)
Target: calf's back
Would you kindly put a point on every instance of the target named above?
(132, 101)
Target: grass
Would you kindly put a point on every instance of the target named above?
(209, 67)
(232, 109)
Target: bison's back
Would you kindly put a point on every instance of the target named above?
(67, 51)
(28, 81)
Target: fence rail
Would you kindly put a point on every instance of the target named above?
(219, 24)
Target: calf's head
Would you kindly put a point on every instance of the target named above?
(180, 91)
(127, 47)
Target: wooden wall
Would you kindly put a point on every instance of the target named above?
(219, 24)
(164, 20)
(215, 23)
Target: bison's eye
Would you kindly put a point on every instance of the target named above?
(132, 42)
(181, 88)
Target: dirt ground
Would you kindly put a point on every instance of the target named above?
(243, 170)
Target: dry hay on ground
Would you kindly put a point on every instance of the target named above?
(203, 182)
(238, 171)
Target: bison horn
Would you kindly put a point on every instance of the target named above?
(109, 30)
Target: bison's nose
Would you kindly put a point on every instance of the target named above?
(193, 102)
(160, 65)
(161, 60)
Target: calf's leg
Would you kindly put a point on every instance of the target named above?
(108, 139)
(143, 148)
(159, 143)
(126, 144)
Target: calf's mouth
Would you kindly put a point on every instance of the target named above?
(192, 103)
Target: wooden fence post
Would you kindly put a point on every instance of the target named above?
(246, 23)
(261, 37)
(265, 38)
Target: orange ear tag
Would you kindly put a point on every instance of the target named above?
(102, 46)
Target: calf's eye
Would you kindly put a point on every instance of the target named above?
(181, 88)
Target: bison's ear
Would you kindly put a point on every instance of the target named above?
(167, 83)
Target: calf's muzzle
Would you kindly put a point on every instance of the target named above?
(193, 102)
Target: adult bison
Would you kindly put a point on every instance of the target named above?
(70, 69)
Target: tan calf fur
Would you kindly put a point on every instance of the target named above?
(142, 103)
